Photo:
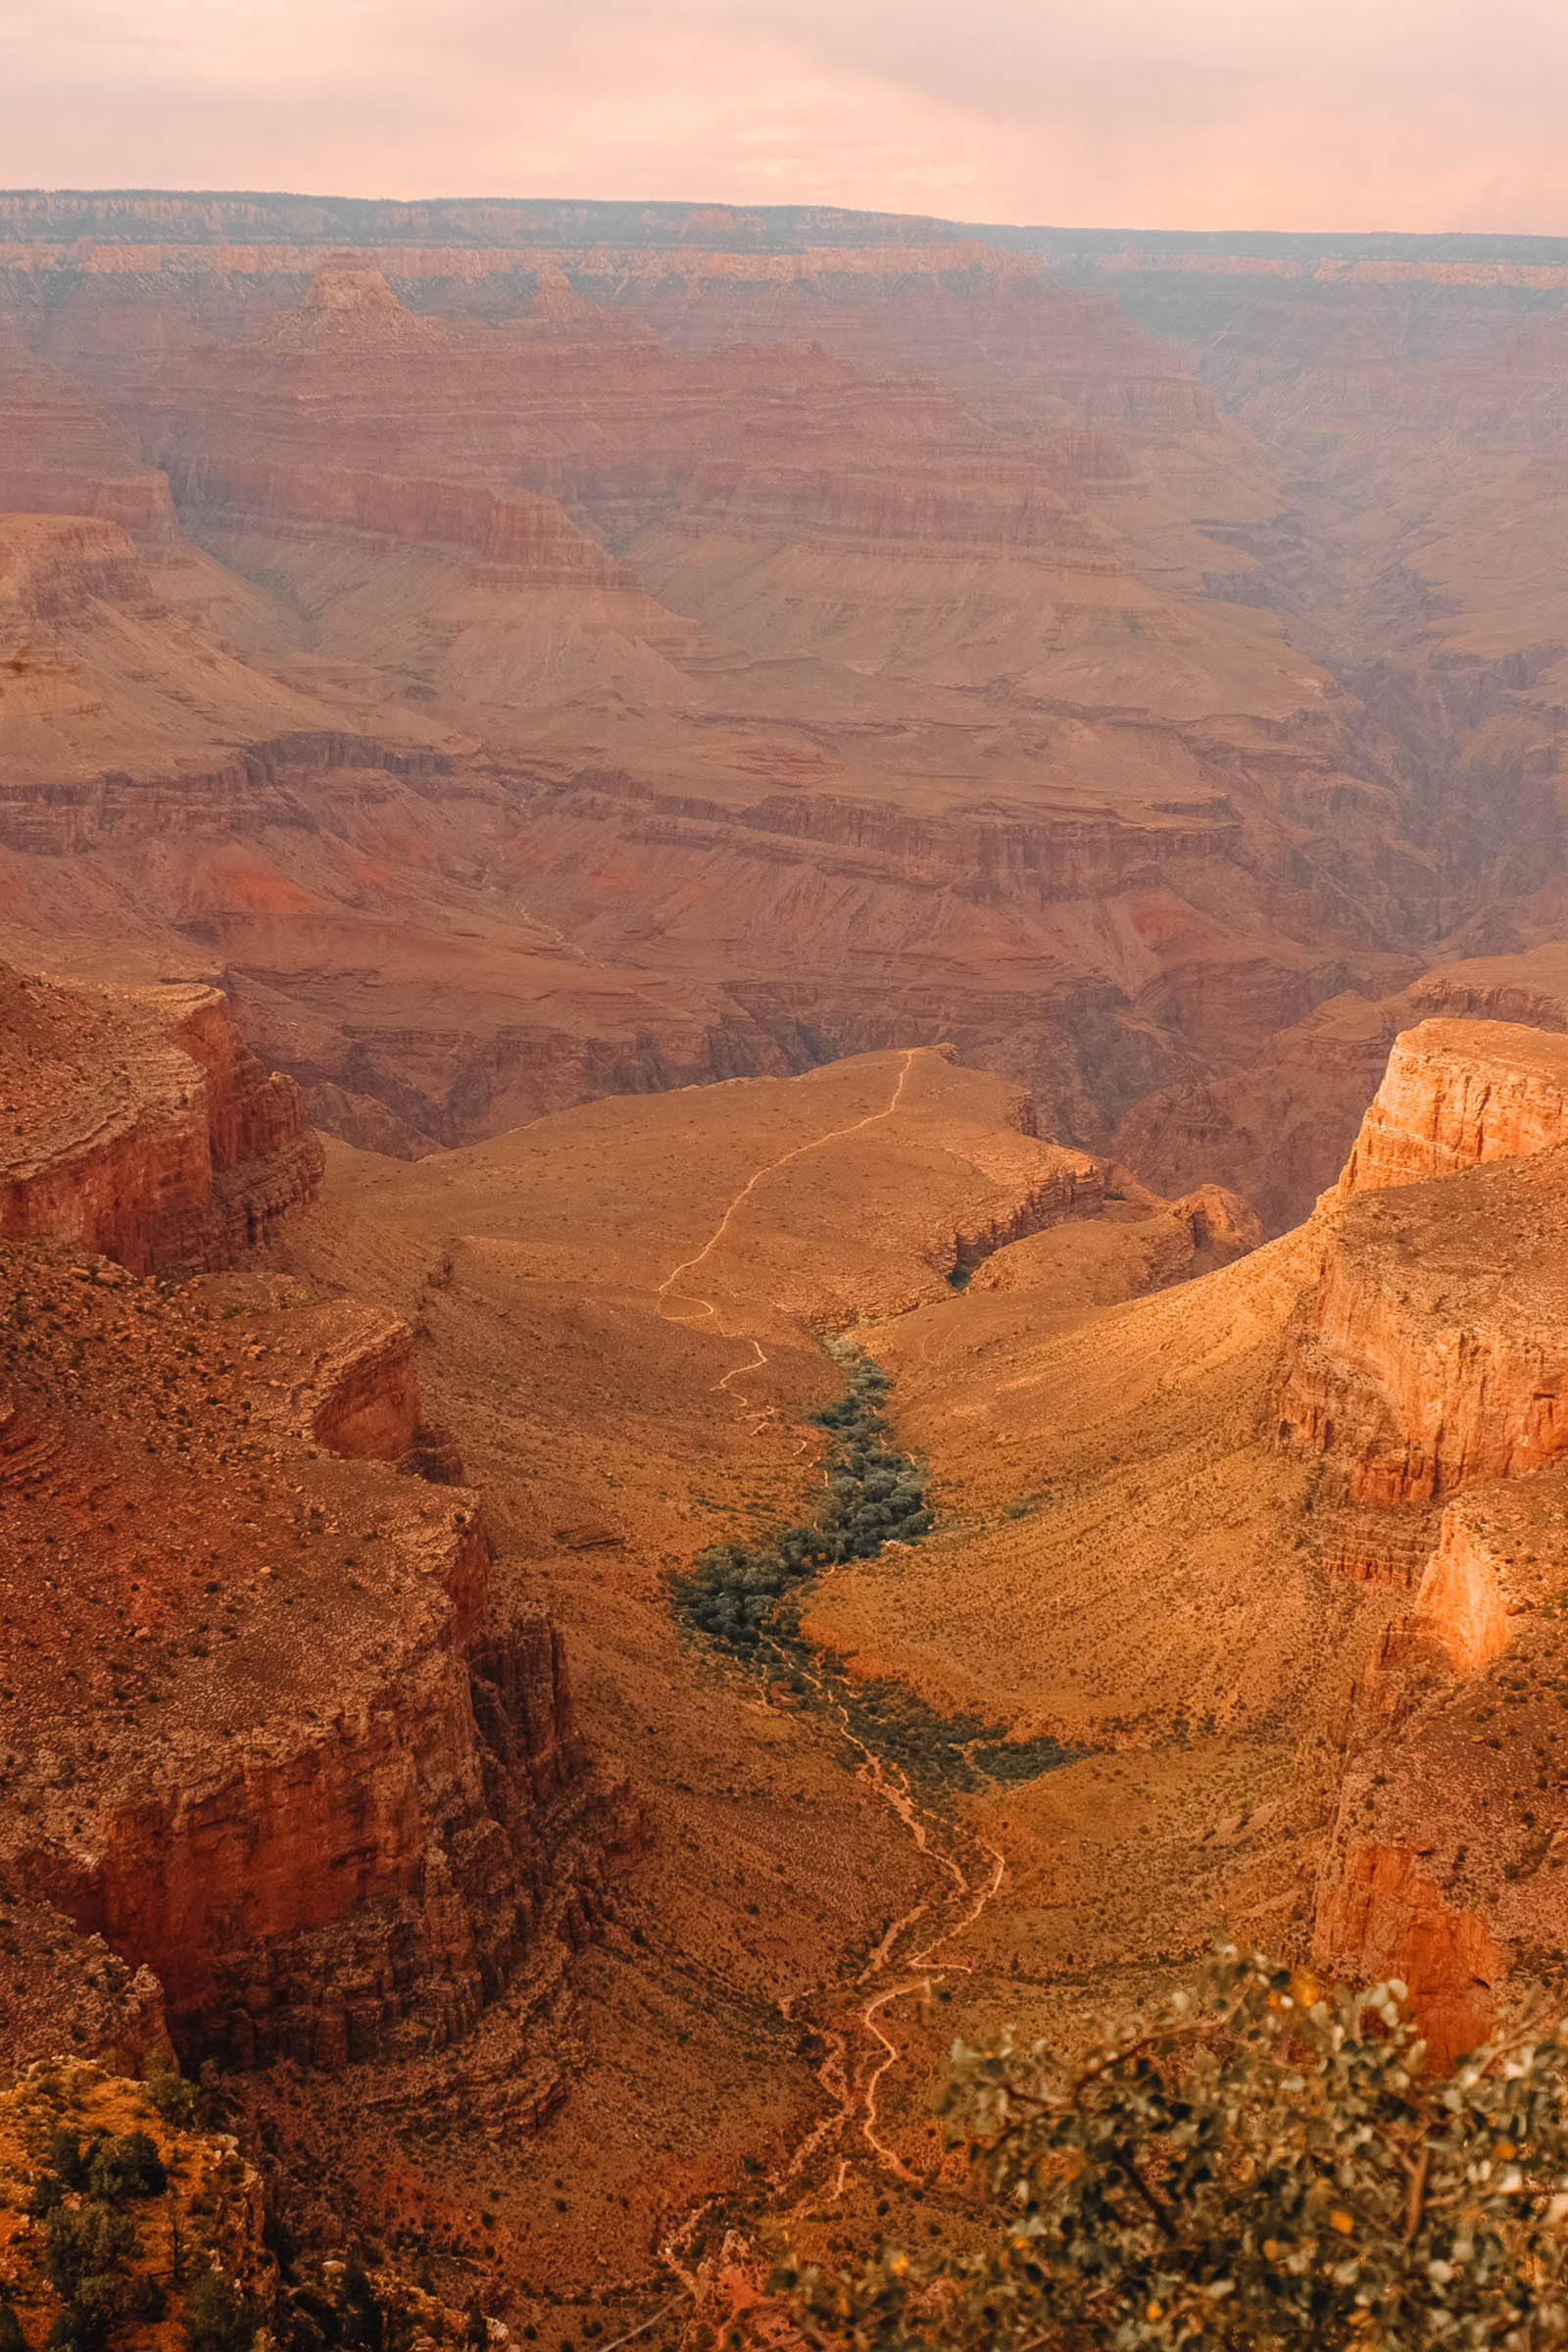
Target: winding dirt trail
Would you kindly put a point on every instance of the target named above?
(906, 1963)
(897, 1969)
(834, 1135)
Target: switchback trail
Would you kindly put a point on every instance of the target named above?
(834, 1135)
(910, 1957)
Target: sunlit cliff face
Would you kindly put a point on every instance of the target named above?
(1400, 117)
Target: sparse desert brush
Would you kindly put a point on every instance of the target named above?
(1260, 2165)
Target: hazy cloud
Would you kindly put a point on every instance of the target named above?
(1406, 113)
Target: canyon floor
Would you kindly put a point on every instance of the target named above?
(618, 1312)
(554, 1953)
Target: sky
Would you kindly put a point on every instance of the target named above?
(1176, 114)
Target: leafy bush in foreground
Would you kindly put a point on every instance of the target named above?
(1258, 2163)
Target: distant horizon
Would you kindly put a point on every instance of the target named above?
(781, 205)
(1383, 120)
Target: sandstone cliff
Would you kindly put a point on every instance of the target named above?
(1444, 1864)
(309, 1777)
(141, 1127)
(1458, 1094)
(284, 1757)
(1427, 1368)
(1425, 1363)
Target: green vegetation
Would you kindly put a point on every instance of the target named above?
(1258, 2165)
(746, 1597)
(91, 2242)
(219, 2317)
(874, 1494)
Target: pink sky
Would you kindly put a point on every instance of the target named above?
(1191, 113)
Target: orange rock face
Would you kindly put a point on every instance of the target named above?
(280, 1753)
(1422, 1368)
(1426, 1366)
(1456, 1094)
(1445, 1863)
(1379, 1917)
(139, 1126)
(309, 1779)
(1424, 1363)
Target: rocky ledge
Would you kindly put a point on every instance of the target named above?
(1426, 1370)
(1430, 1355)
(134, 1122)
(1455, 1095)
(266, 1731)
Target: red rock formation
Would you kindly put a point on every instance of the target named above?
(66, 1990)
(1424, 1363)
(1455, 1095)
(60, 455)
(365, 1399)
(1219, 1221)
(523, 542)
(1427, 1359)
(140, 1126)
(1278, 1131)
(327, 1794)
(1378, 1917)
(1429, 1364)
(1444, 1865)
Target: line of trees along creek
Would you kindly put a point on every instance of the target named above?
(746, 1597)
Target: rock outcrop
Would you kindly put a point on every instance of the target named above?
(137, 1124)
(1445, 1861)
(273, 1743)
(1430, 1358)
(1455, 1095)
(1429, 1355)
(281, 1749)
(1428, 1369)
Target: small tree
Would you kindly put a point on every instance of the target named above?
(88, 2251)
(218, 2316)
(127, 2166)
(1258, 2165)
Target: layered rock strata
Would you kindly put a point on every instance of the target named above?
(1430, 1355)
(1455, 1095)
(136, 1123)
(1428, 1370)
(271, 1738)
(1445, 1864)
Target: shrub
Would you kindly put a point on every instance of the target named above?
(361, 2316)
(1259, 2166)
(733, 1591)
(219, 2317)
(88, 2254)
(174, 2099)
(128, 2166)
(66, 2159)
